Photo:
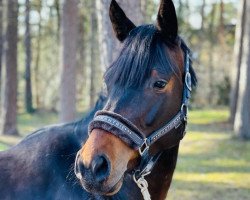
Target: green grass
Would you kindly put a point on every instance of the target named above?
(212, 165)
(27, 123)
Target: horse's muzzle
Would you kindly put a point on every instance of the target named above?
(93, 177)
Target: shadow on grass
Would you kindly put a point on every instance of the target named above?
(207, 153)
(7, 141)
(212, 165)
(222, 126)
(192, 190)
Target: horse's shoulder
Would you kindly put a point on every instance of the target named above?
(44, 147)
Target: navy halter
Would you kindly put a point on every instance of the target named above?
(131, 135)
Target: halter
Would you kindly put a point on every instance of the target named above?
(131, 135)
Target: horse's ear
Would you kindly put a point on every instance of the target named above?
(121, 24)
(167, 20)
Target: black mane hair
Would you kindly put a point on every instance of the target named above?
(142, 51)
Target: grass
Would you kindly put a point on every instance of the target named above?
(212, 165)
(30, 122)
(27, 123)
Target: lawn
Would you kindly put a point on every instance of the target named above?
(28, 123)
(212, 165)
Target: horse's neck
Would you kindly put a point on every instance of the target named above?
(160, 179)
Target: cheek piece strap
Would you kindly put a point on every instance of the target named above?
(132, 136)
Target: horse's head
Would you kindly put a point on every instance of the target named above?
(145, 90)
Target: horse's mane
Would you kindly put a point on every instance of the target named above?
(142, 51)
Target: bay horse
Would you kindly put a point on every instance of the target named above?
(133, 142)
(127, 146)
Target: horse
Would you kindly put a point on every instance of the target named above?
(133, 142)
(41, 166)
(127, 146)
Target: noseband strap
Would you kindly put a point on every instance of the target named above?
(118, 126)
(129, 133)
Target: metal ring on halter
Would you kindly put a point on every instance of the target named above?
(144, 147)
(188, 81)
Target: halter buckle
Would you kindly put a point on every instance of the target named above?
(144, 147)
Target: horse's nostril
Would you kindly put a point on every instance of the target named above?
(100, 168)
(80, 168)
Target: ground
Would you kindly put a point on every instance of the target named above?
(212, 164)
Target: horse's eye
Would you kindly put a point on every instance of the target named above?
(160, 84)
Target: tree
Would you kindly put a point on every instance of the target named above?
(82, 54)
(94, 51)
(38, 57)
(239, 35)
(133, 10)
(107, 42)
(242, 117)
(105, 34)
(68, 57)
(222, 23)
(211, 55)
(57, 6)
(27, 42)
(203, 14)
(9, 109)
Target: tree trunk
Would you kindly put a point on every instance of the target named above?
(211, 56)
(239, 35)
(9, 110)
(242, 118)
(144, 4)
(203, 14)
(222, 23)
(132, 8)
(68, 57)
(57, 6)
(108, 44)
(81, 58)
(37, 59)
(94, 47)
(27, 42)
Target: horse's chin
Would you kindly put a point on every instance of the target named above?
(103, 189)
(115, 189)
